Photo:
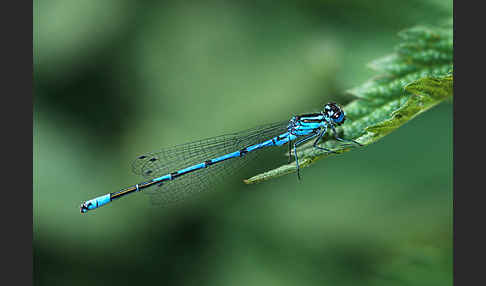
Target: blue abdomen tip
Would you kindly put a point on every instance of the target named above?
(95, 203)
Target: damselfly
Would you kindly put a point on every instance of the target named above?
(186, 169)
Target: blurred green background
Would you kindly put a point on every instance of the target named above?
(114, 79)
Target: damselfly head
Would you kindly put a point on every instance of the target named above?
(334, 113)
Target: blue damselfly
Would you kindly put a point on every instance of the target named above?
(185, 169)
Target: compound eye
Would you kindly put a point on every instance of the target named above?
(336, 115)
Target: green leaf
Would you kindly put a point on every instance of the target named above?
(415, 78)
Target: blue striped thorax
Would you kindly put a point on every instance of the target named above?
(306, 123)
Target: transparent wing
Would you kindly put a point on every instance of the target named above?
(168, 160)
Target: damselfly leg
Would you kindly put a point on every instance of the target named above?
(343, 140)
(295, 151)
(319, 138)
